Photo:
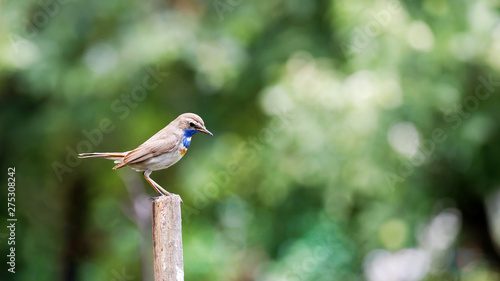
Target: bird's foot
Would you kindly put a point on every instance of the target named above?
(168, 194)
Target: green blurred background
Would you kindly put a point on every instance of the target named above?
(352, 140)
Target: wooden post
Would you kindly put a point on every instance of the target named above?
(167, 238)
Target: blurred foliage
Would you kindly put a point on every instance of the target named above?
(352, 140)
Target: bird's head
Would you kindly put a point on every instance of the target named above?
(191, 123)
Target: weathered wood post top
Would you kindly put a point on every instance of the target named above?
(167, 238)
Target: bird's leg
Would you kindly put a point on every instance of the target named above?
(156, 186)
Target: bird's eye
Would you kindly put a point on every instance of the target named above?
(191, 124)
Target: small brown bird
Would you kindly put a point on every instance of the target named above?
(160, 151)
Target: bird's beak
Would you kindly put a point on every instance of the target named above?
(203, 130)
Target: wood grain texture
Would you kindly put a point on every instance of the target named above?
(167, 238)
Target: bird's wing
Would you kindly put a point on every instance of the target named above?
(151, 148)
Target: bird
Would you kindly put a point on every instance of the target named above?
(161, 151)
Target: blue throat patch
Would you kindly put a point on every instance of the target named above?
(186, 139)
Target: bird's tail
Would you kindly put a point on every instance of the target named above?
(116, 156)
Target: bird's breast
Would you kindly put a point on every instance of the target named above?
(162, 161)
(186, 141)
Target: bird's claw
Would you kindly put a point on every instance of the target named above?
(177, 196)
(169, 194)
